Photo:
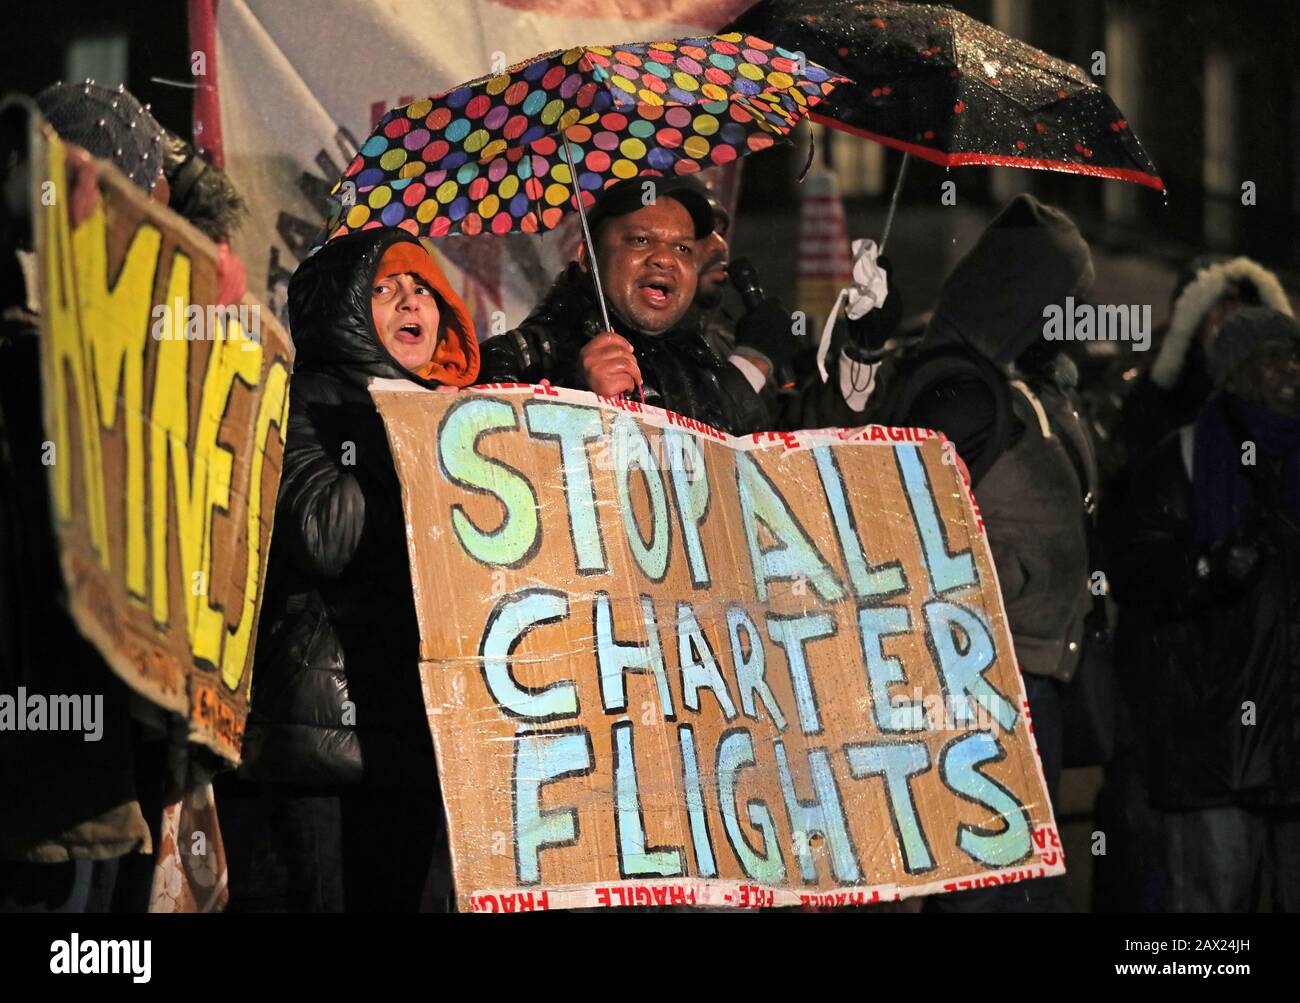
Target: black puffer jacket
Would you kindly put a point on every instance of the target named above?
(681, 371)
(336, 689)
(1211, 669)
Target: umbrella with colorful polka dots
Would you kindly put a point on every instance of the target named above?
(942, 86)
(490, 156)
(494, 155)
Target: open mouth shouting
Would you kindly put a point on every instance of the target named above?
(658, 292)
(410, 333)
(406, 319)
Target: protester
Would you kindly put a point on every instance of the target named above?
(208, 200)
(1208, 541)
(113, 125)
(1209, 289)
(337, 727)
(752, 339)
(712, 254)
(1166, 396)
(647, 256)
(110, 124)
(985, 377)
(72, 808)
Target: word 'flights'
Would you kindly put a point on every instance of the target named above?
(747, 615)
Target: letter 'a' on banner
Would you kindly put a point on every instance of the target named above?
(665, 666)
(165, 417)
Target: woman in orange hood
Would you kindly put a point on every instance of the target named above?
(337, 729)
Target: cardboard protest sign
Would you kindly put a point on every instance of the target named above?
(164, 416)
(666, 666)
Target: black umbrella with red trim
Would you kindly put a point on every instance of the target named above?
(940, 85)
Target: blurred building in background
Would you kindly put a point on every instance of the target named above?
(1212, 90)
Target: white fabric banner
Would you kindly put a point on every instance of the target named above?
(300, 85)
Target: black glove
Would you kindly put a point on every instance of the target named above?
(868, 334)
(769, 328)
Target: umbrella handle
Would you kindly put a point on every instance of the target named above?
(586, 232)
(812, 154)
(893, 201)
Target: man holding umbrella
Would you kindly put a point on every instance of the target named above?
(645, 232)
(611, 131)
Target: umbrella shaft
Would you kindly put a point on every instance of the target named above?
(893, 201)
(586, 233)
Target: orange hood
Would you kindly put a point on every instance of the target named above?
(455, 359)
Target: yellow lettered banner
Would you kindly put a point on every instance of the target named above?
(665, 666)
(164, 415)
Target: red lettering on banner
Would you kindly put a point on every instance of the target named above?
(512, 902)
(695, 426)
(756, 897)
(834, 899)
(1049, 845)
(607, 895)
(787, 439)
(623, 404)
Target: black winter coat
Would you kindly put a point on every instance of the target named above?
(61, 797)
(681, 371)
(1199, 658)
(336, 688)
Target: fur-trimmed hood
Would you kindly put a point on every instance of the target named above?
(1209, 286)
